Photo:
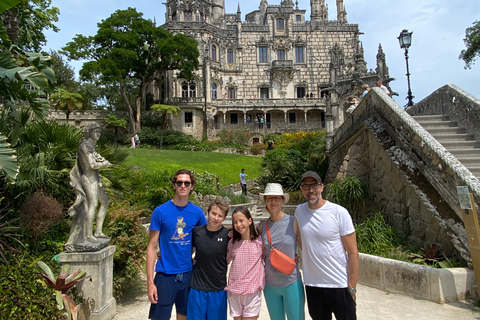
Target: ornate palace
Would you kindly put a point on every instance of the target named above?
(276, 65)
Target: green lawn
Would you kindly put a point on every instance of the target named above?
(225, 166)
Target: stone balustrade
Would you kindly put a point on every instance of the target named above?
(411, 175)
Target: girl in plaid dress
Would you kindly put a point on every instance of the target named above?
(246, 279)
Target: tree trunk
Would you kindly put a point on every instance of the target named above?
(131, 120)
(138, 103)
(10, 22)
(141, 102)
(115, 136)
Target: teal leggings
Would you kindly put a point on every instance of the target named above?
(289, 300)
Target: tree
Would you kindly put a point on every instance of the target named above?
(64, 72)
(68, 101)
(25, 22)
(128, 47)
(472, 42)
(24, 76)
(115, 123)
(164, 110)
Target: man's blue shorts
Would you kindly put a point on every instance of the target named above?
(207, 305)
(171, 289)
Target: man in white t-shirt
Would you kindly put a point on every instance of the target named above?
(379, 84)
(329, 253)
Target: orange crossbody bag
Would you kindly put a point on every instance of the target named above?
(278, 259)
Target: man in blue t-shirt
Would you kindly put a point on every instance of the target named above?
(171, 230)
(243, 182)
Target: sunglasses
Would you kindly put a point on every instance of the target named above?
(186, 183)
(307, 187)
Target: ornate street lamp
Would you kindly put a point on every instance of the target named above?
(405, 39)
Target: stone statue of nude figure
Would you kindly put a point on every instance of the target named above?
(90, 195)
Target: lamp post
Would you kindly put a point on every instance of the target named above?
(405, 39)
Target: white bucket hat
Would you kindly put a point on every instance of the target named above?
(274, 189)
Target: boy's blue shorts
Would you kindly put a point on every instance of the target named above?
(207, 305)
(171, 289)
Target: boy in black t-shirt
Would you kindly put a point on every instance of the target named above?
(207, 298)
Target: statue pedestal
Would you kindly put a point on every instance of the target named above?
(99, 266)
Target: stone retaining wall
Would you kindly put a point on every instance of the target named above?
(437, 285)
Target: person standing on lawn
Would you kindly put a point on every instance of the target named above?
(243, 182)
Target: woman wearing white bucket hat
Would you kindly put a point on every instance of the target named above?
(284, 293)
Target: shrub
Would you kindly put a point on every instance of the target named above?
(205, 145)
(206, 183)
(148, 189)
(39, 212)
(23, 297)
(234, 198)
(171, 137)
(163, 138)
(349, 192)
(296, 153)
(130, 238)
(8, 235)
(234, 136)
(375, 236)
(258, 148)
(275, 137)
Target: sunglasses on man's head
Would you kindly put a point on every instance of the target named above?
(186, 183)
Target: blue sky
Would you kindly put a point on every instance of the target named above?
(438, 30)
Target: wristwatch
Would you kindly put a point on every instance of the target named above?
(352, 290)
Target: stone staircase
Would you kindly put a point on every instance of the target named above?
(258, 215)
(462, 145)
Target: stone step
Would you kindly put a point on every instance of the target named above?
(256, 219)
(455, 139)
(431, 117)
(472, 152)
(454, 136)
(469, 161)
(446, 130)
(438, 124)
(460, 144)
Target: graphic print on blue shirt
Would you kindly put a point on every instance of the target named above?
(179, 233)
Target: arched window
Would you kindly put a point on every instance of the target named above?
(214, 91)
(192, 90)
(214, 53)
(230, 56)
(187, 15)
(189, 89)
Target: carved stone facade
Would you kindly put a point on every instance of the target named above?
(296, 74)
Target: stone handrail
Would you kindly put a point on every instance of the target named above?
(452, 101)
(435, 162)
